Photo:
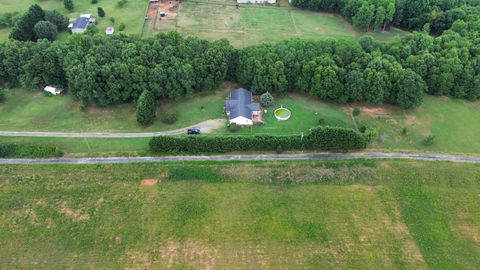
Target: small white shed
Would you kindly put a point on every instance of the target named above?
(109, 31)
(53, 90)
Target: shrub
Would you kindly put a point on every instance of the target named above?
(48, 94)
(321, 121)
(429, 140)
(222, 144)
(21, 150)
(45, 29)
(356, 111)
(404, 131)
(267, 100)
(334, 138)
(92, 29)
(94, 2)
(169, 117)
(121, 3)
(233, 127)
(121, 27)
(146, 108)
(279, 149)
(112, 19)
(320, 138)
(370, 134)
(101, 12)
(2, 95)
(68, 4)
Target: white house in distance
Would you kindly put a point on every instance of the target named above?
(53, 90)
(241, 109)
(256, 1)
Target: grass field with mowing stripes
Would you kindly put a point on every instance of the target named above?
(254, 24)
(335, 214)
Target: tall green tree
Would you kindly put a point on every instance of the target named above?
(57, 18)
(101, 12)
(45, 30)
(146, 108)
(364, 17)
(23, 29)
(68, 5)
(410, 90)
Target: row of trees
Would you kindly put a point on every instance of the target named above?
(364, 14)
(340, 71)
(433, 15)
(106, 70)
(109, 70)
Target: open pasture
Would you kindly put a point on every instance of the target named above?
(266, 215)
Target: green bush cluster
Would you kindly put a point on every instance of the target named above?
(19, 150)
(169, 117)
(320, 138)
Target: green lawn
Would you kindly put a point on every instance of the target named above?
(33, 111)
(306, 113)
(132, 14)
(262, 215)
(253, 24)
(454, 123)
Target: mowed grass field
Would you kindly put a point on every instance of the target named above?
(254, 24)
(454, 123)
(262, 215)
(132, 14)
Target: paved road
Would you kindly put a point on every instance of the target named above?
(205, 127)
(109, 160)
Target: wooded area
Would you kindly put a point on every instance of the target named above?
(108, 70)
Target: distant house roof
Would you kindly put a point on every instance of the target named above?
(239, 103)
(81, 23)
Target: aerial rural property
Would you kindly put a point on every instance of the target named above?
(239, 134)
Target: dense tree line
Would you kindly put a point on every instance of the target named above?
(364, 14)
(434, 15)
(340, 71)
(108, 70)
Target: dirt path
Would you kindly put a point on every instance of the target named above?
(205, 127)
(365, 155)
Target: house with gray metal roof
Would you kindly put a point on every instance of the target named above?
(80, 25)
(241, 109)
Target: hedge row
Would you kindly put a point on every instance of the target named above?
(19, 150)
(320, 138)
